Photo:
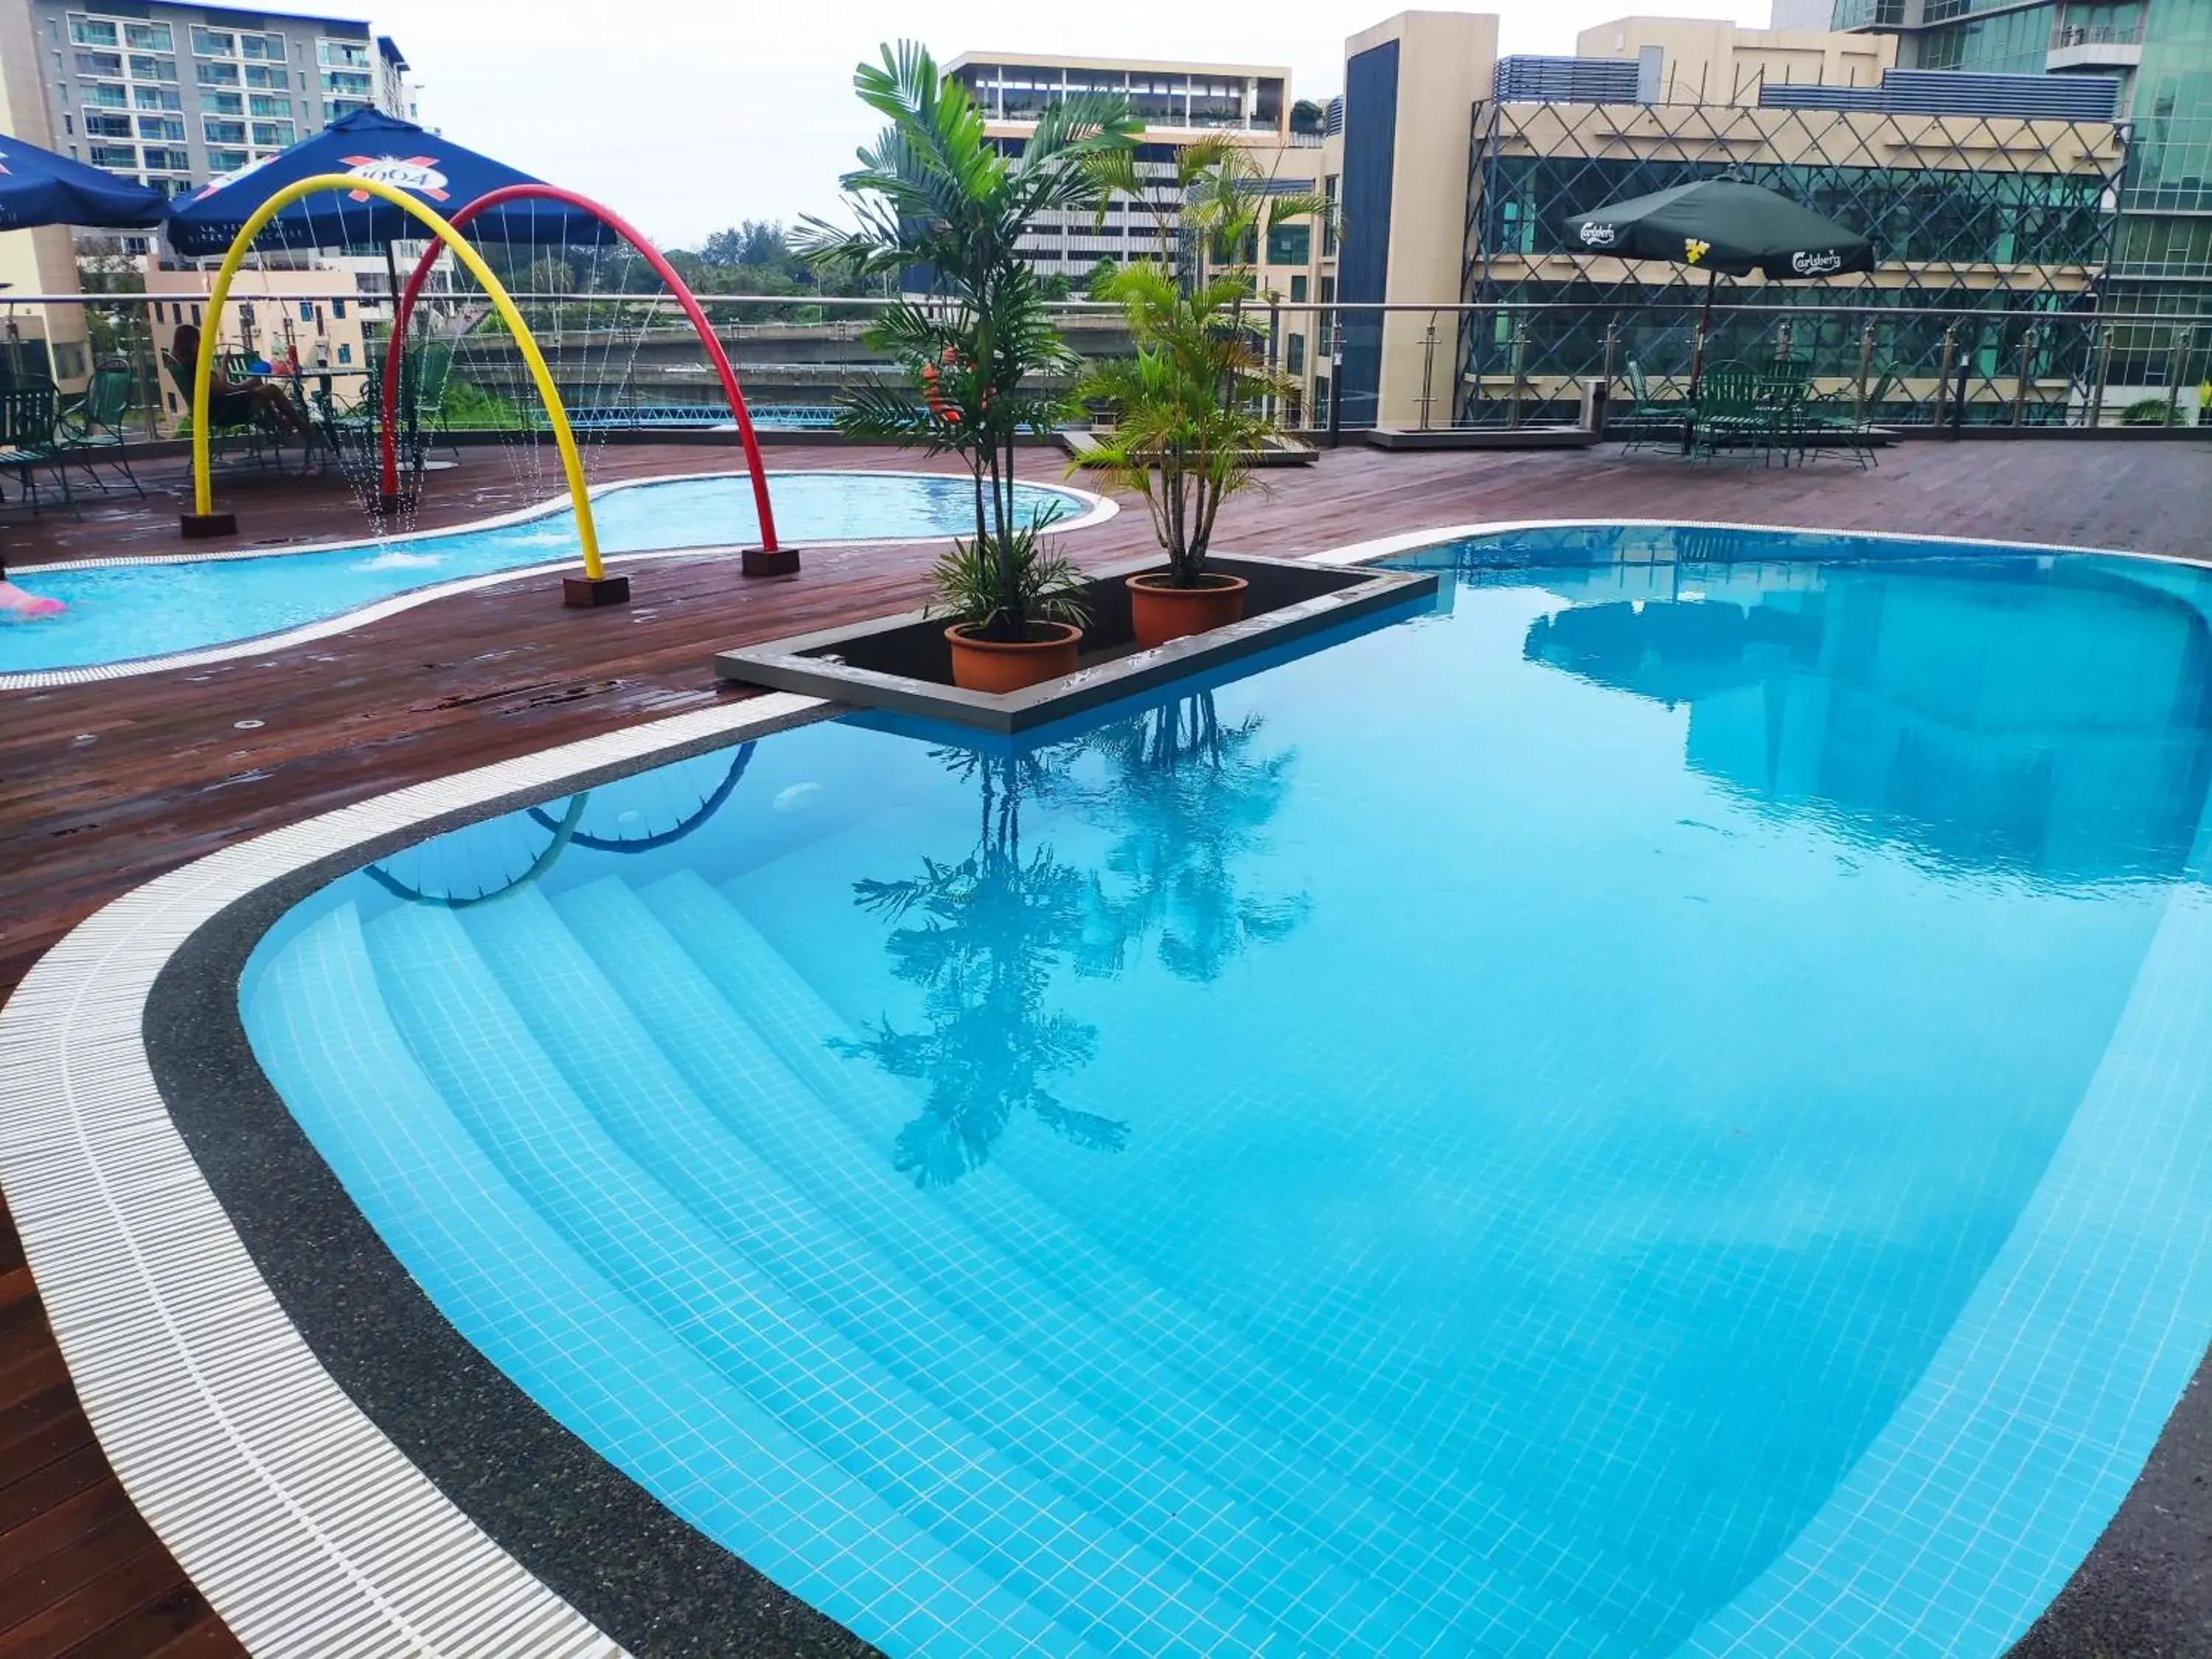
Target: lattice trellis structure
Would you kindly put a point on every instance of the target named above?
(2006, 221)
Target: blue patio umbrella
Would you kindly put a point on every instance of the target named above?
(38, 187)
(370, 144)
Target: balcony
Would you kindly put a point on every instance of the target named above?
(2095, 47)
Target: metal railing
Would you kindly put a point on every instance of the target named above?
(1918, 359)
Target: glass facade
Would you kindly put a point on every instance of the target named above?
(1990, 259)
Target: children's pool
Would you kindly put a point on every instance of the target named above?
(120, 612)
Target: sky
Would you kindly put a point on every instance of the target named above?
(688, 115)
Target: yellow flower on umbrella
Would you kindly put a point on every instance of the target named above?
(1693, 250)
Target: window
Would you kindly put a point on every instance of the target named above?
(1288, 244)
(266, 77)
(1327, 236)
(220, 161)
(92, 31)
(344, 83)
(215, 43)
(1320, 403)
(153, 69)
(1294, 354)
(345, 354)
(149, 37)
(341, 54)
(272, 135)
(267, 48)
(120, 156)
(217, 74)
(1297, 290)
(68, 125)
(1328, 290)
(99, 97)
(337, 311)
(307, 311)
(166, 129)
(222, 103)
(263, 104)
(223, 132)
(168, 161)
(109, 63)
(156, 97)
(107, 126)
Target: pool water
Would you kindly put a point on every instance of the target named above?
(126, 612)
(1662, 1104)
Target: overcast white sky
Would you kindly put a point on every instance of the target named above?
(688, 115)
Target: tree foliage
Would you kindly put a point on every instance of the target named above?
(935, 195)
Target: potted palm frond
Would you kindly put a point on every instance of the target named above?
(933, 194)
(1192, 406)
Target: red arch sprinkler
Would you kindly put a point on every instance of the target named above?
(769, 559)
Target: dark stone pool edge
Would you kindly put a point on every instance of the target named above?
(649, 1579)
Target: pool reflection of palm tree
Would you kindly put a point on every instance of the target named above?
(1193, 801)
(982, 938)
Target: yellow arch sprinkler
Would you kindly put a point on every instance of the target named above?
(594, 586)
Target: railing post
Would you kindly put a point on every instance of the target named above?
(1866, 367)
(1428, 370)
(1520, 367)
(1781, 344)
(2104, 373)
(2019, 379)
(1603, 401)
(2176, 371)
(1943, 374)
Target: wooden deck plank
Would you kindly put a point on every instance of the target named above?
(105, 785)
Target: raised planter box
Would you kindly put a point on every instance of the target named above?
(902, 664)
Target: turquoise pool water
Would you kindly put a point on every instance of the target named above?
(126, 611)
(1662, 1105)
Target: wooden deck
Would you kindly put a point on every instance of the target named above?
(103, 786)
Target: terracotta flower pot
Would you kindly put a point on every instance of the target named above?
(1011, 664)
(1159, 612)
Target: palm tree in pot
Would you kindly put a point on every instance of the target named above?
(934, 195)
(1192, 407)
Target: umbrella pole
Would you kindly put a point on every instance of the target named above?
(1704, 326)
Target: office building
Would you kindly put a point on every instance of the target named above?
(2159, 51)
(1459, 170)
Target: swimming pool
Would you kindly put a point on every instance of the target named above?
(1664, 1105)
(127, 611)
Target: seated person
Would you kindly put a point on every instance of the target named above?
(235, 403)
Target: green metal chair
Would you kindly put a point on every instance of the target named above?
(220, 436)
(1833, 425)
(1651, 419)
(421, 407)
(1730, 413)
(93, 428)
(28, 415)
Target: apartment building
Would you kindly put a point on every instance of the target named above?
(1177, 102)
(175, 95)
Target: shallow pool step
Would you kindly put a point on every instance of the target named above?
(521, 1294)
(954, 1314)
(1464, 1548)
(487, 1061)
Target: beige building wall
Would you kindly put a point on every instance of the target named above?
(262, 316)
(1445, 63)
(42, 261)
(1710, 61)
